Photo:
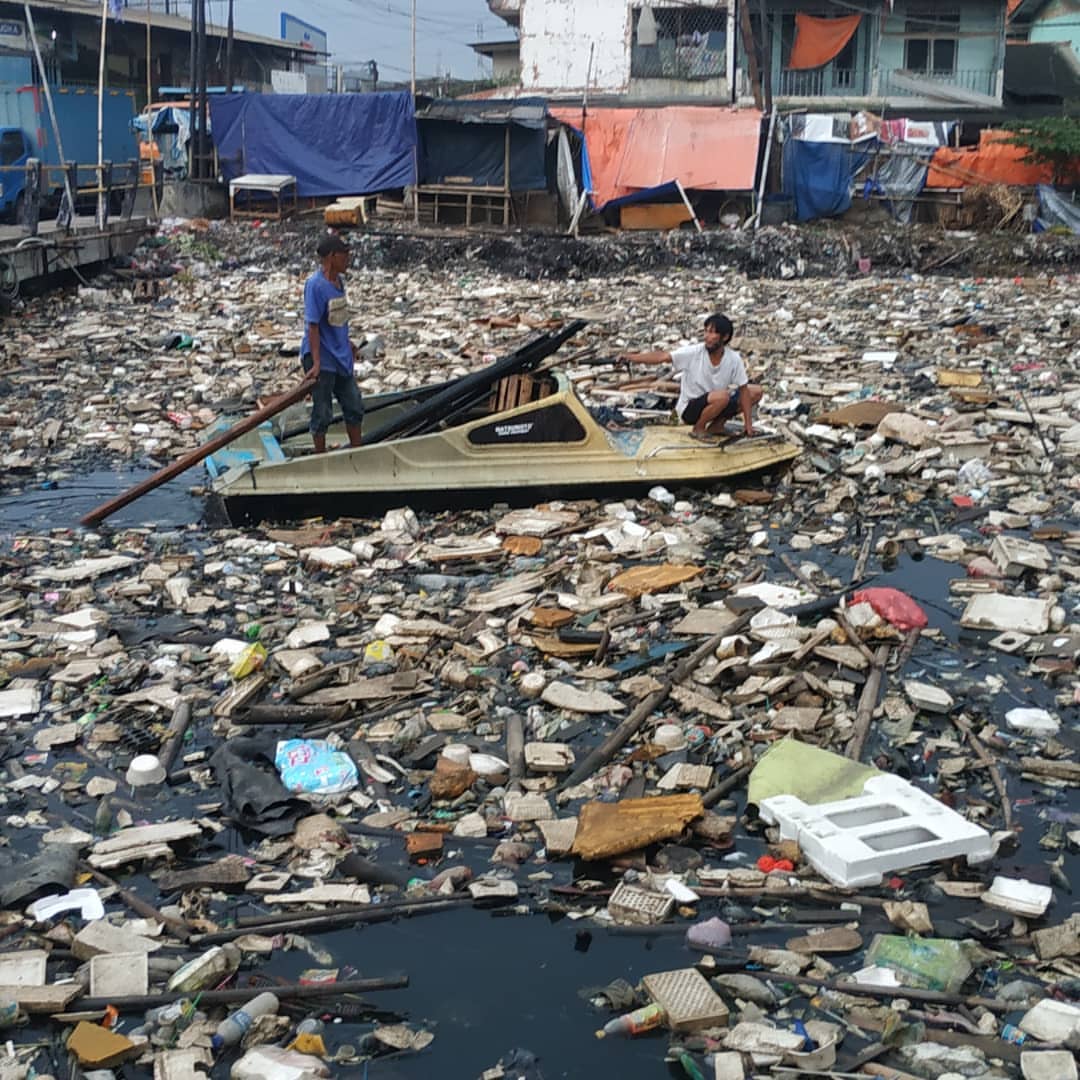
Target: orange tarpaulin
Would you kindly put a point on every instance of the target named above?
(705, 148)
(817, 41)
(993, 161)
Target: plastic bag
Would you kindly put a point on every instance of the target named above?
(313, 766)
(894, 606)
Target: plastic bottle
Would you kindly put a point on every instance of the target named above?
(1012, 1034)
(233, 1028)
(311, 1026)
(634, 1023)
(213, 966)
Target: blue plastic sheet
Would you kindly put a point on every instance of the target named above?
(1056, 210)
(819, 175)
(334, 144)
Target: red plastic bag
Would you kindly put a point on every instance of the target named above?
(893, 606)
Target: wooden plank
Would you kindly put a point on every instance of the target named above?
(654, 216)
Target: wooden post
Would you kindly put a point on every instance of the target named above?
(506, 178)
(765, 170)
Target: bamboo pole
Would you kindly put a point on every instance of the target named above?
(99, 513)
(101, 117)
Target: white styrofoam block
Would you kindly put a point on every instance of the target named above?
(891, 826)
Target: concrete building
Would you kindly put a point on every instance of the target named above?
(605, 47)
(69, 33)
(505, 57)
(911, 55)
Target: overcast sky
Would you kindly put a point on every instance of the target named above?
(361, 30)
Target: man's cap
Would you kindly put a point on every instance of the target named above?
(330, 244)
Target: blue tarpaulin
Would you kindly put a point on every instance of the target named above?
(334, 144)
(819, 175)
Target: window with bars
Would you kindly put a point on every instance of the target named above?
(691, 43)
(930, 40)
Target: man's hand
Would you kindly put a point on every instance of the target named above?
(312, 375)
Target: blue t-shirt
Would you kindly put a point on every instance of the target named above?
(327, 305)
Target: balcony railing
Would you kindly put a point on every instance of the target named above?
(977, 80)
(830, 82)
(823, 82)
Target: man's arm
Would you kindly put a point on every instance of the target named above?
(657, 356)
(313, 345)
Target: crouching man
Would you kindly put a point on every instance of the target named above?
(715, 386)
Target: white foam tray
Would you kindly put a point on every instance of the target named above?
(893, 825)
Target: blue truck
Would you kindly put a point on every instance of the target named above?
(26, 132)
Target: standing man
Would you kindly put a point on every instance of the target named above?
(326, 352)
(714, 382)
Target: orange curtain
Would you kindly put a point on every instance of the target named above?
(817, 41)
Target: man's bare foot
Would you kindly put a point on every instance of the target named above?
(702, 436)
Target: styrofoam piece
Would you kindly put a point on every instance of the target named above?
(1014, 555)
(87, 901)
(927, 697)
(891, 826)
(119, 975)
(996, 611)
(1009, 642)
(25, 968)
(1018, 896)
(1048, 1065)
(1036, 722)
(1052, 1021)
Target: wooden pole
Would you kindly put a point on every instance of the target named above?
(751, 50)
(192, 63)
(412, 79)
(766, 56)
(44, 76)
(291, 992)
(636, 720)
(101, 118)
(867, 704)
(149, 69)
(229, 52)
(183, 464)
(204, 142)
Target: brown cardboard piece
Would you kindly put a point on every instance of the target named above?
(607, 829)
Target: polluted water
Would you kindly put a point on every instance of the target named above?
(766, 777)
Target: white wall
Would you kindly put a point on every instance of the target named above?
(558, 35)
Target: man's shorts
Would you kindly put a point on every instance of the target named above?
(328, 386)
(696, 406)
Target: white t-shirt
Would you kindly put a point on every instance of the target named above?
(701, 376)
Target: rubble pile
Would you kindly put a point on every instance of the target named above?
(778, 778)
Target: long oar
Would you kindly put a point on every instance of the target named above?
(278, 404)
